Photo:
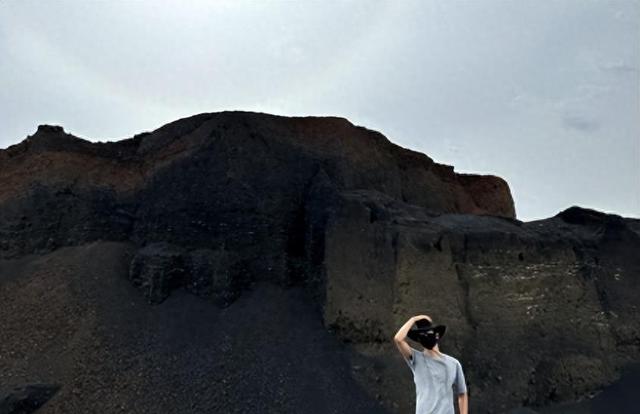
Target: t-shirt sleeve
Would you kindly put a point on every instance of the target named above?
(412, 360)
(459, 383)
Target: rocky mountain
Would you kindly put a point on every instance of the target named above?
(243, 262)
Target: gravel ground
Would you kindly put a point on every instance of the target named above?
(72, 318)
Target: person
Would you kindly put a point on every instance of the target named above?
(435, 373)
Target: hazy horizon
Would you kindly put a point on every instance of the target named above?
(545, 95)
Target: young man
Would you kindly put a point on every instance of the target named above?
(435, 374)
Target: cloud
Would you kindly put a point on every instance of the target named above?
(619, 68)
(580, 123)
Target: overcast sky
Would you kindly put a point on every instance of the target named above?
(545, 94)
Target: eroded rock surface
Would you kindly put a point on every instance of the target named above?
(538, 312)
(203, 208)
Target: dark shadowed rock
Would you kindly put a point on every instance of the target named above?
(26, 399)
(366, 233)
(157, 269)
(210, 275)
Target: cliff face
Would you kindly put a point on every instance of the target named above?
(538, 312)
(371, 232)
(229, 186)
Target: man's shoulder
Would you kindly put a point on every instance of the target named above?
(452, 359)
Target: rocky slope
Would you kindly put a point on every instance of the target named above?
(242, 262)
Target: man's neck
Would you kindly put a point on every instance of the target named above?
(435, 351)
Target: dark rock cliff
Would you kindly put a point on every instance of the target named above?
(540, 312)
(214, 205)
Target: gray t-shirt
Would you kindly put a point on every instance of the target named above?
(436, 378)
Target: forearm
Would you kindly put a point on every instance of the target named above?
(463, 403)
(402, 332)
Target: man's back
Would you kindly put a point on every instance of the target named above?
(435, 378)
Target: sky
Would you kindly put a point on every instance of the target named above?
(545, 94)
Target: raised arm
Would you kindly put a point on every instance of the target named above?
(401, 335)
